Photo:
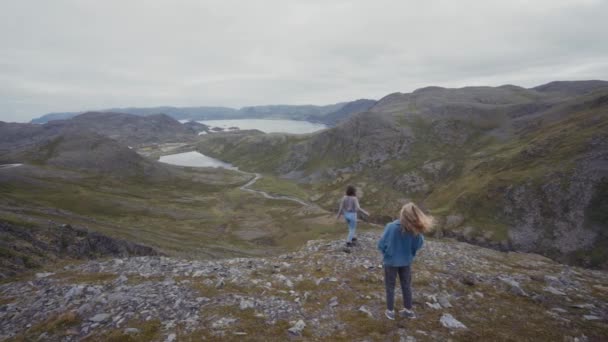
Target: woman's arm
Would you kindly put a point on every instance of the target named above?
(382, 243)
(359, 208)
(341, 209)
(418, 242)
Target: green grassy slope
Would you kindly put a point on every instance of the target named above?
(207, 217)
(473, 168)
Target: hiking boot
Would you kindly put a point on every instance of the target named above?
(390, 314)
(405, 313)
(354, 239)
(349, 244)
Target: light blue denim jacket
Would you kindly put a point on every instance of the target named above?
(399, 249)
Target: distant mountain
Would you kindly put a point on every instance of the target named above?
(93, 142)
(324, 114)
(178, 113)
(73, 148)
(132, 129)
(508, 167)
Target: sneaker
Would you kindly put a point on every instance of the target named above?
(405, 313)
(354, 239)
(349, 244)
(390, 314)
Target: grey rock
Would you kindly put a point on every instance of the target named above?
(122, 279)
(297, 328)
(246, 304)
(583, 306)
(366, 311)
(407, 339)
(169, 282)
(435, 306)
(450, 322)
(513, 285)
(469, 279)
(411, 183)
(84, 309)
(100, 318)
(131, 331)
(443, 300)
(333, 302)
(554, 291)
(223, 322)
(44, 275)
(74, 292)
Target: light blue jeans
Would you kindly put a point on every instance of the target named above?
(351, 221)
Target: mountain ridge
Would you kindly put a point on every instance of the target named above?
(296, 112)
(464, 153)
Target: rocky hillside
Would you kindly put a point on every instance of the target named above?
(508, 167)
(321, 293)
(26, 246)
(328, 114)
(131, 129)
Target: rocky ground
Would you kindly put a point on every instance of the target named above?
(322, 292)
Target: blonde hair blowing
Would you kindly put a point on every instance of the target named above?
(413, 220)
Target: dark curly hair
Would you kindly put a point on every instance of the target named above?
(351, 191)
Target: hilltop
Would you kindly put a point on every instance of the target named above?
(317, 293)
(507, 167)
(73, 148)
(131, 129)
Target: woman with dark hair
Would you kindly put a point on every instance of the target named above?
(349, 206)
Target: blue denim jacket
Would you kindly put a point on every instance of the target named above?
(398, 249)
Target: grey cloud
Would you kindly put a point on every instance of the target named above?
(68, 55)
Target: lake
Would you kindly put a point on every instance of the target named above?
(267, 125)
(194, 159)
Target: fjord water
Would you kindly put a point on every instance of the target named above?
(268, 125)
(194, 159)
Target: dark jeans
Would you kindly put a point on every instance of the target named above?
(405, 278)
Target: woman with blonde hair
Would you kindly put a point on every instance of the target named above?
(400, 241)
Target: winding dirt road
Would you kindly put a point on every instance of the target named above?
(8, 166)
(247, 187)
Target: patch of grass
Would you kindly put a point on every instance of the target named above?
(248, 327)
(278, 186)
(6, 300)
(55, 326)
(212, 291)
(84, 278)
(181, 218)
(148, 331)
(134, 279)
(359, 325)
(17, 221)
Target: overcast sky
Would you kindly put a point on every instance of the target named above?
(63, 55)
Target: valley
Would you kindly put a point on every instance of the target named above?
(506, 167)
(117, 217)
